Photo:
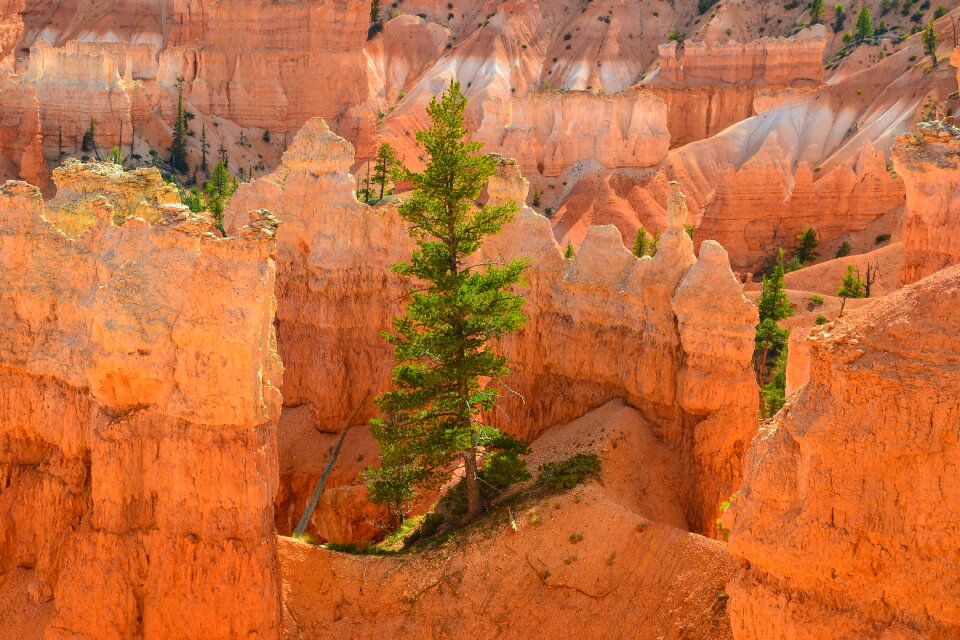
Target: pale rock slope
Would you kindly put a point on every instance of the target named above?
(846, 526)
(610, 559)
(336, 294)
(137, 423)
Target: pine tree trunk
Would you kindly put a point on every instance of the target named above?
(473, 488)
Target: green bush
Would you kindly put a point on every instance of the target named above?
(566, 474)
(883, 237)
(428, 527)
(844, 250)
(816, 300)
(821, 319)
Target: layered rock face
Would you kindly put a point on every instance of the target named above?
(11, 28)
(846, 525)
(137, 421)
(710, 86)
(336, 294)
(545, 131)
(21, 139)
(928, 162)
(270, 65)
(769, 61)
(111, 85)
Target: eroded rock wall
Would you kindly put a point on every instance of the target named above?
(270, 65)
(928, 162)
(602, 326)
(846, 526)
(21, 139)
(137, 441)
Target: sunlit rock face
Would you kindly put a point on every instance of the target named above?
(928, 161)
(601, 326)
(846, 522)
(137, 418)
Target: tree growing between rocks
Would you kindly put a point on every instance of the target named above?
(89, 142)
(850, 287)
(640, 243)
(864, 28)
(383, 166)
(431, 424)
(771, 339)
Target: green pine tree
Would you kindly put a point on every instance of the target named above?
(178, 145)
(864, 28)
(817, 11)
(806, 250)
(218, 190)
(569, 253)
(771, 339)
(929, 40)
(851, 287)
(116, 157)
(383, 166)
(640, 243)
(204, 147)
(654, 243)
(447, 370)
(844, 249)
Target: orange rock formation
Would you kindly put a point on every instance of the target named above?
(136, 424)
(335, 296)
(845, 525)
(927, 161)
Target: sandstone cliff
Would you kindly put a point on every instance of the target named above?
(335, 296)
(137, 420)
(928, 162)
(21, 139)
(846, 524)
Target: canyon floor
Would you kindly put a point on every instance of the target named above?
(175, 370)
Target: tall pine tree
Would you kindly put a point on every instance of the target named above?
(178, 145)
(384, 163)
(447, 368)
(771, 339)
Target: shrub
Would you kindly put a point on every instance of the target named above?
(567, 36)
(675, 35)
(816, 300)
(566, 474)
(821, 319)
(428, 527)
(940, 12)
(883, 237)
(844, 250)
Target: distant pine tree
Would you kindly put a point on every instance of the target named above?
(178, 145)
(640, 243)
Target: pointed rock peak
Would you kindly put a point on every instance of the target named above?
(602, 257)
(318, 150)
(676, 207)
(507, 183)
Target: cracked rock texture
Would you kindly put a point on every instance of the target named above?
(139, 398)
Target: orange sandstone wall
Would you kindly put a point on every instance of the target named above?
(21, 140)
(137, 420)
(928, 162)
(602, 326)
(846, 526)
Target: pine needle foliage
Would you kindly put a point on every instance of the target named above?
(447, 371)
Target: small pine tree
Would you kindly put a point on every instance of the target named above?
(864, 28)
(374, 11)
(640, 243)
(839, 17)
(844, 249)
(178, 145)
(851, 287)
(384, 163)
(535, 202)
(115, 156)
(89, 142)
(447, 368)
(218, 191)
(60, 152)
(654, 243)
(569, 253)
(773, 306)
(817, 11)
(806, 250)
(204, 147)
(266, 136)
(929, 40)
